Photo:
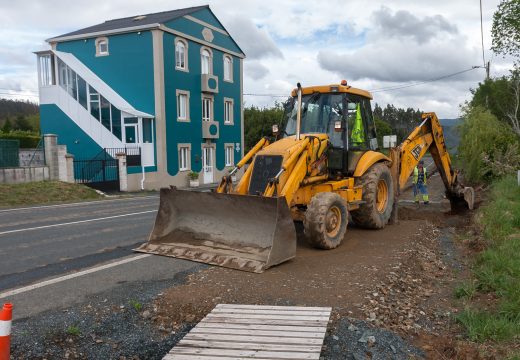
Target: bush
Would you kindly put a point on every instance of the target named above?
(28, 139)
(488, 148)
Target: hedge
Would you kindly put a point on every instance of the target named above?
(28, 139)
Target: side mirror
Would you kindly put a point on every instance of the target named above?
(275, 129)
(389, 141)
(338, 126)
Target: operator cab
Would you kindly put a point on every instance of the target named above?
(344, 114)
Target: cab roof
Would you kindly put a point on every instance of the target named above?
(333, 88)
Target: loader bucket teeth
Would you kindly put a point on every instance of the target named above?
(249, 233)
(469, 197)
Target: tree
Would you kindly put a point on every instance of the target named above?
(258, 123)
(501, 96)
(505, 32)
(7, 126)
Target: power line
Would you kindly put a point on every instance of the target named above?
(269, 95)
(403, 86)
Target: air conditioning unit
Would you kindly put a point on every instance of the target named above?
(209, 83)
(210, 129)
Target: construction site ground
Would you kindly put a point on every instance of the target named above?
(391, 292)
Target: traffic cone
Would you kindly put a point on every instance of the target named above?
(6, 315)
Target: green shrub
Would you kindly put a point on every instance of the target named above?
(28, 139)
(497, 269)
(489, 148)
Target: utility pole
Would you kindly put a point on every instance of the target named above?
(487, 70)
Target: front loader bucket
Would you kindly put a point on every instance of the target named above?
(250, 233)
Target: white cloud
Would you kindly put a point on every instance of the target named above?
(314, 42)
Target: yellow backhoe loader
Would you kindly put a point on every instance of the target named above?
(323, 166)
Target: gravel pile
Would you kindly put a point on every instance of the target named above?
(359, 340)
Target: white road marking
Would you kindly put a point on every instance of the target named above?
(75, 222)
(78, 203)
(72, 276)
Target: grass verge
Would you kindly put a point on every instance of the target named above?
(497, 269)
(44, 192)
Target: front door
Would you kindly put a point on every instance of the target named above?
(207, 165)
(131, 134)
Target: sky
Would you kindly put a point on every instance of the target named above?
(380, 46)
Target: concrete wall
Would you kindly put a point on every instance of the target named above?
(59, 166)
(24, 175)
(31, 157)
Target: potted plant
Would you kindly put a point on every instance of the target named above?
(193, 176)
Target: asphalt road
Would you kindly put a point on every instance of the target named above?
(40, 245)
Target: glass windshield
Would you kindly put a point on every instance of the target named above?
(319, 113)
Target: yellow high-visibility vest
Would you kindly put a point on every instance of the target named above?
(358, 132)
(416, 175)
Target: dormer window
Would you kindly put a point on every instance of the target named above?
(102, 46)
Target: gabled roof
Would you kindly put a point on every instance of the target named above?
(133, 21)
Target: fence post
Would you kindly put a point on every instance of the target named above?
(69, 159)
(123, 177)
(51, 155)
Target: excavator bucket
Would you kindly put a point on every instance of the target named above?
(243, 232)
(469, 197)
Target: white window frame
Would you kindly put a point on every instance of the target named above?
(184, 164)
(186, 118)
(228, 115)
(177, 65)
(229, 77)
(210, 60)
(209, 108)
(98, 46)
(229, 158)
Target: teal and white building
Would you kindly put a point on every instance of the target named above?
(169, 83)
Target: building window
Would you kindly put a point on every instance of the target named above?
(181, 55)
(206, 61)
(94, 103)
(184, 157)
(46, 64)
(207, 108)
(183, 105)
(228, 111)
(228, 150)
(228, 68)
(102, 46)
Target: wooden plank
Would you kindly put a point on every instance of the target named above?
(314, 335)
(247, 353)
(266, 322)
(257, 339)
(205, 324)
(248, 346)
(205, 357)
(270, 307)
(270, 317)
(271, 312)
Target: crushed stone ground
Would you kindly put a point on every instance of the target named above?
(391, 292)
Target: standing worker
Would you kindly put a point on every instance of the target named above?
(419, 182)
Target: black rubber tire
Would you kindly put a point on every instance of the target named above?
(367, 216)
(315, 221)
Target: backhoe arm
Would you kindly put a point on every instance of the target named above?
(429, 137)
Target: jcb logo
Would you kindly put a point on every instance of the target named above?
(416, 151)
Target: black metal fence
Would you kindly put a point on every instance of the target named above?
(133, 154)
(99, 174)
(9, 153)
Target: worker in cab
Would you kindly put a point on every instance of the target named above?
(419, 182)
